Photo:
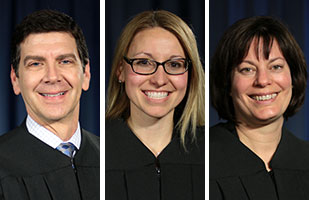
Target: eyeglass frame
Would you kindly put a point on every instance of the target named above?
(130, 62)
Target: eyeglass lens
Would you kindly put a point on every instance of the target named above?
(145, 66)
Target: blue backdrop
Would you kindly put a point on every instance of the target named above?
(295, 14)
(119, 12)
(87, 14)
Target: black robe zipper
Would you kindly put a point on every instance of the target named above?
(76, 176)
(158, 171)
(73, 166)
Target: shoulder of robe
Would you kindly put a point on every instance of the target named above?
(93, 139)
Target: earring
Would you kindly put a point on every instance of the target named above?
(119, 81)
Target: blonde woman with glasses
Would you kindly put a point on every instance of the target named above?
(155, 112)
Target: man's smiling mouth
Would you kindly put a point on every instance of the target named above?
(52, 95)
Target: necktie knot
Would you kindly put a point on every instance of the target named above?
(66, 148)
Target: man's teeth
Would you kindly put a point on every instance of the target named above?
(156, 95)
(264, 97)
(53, 95)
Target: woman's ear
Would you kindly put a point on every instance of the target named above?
(120, 72)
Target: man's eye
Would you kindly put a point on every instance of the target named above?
(34, 64)
(65, 62)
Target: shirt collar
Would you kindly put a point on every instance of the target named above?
(49, 137)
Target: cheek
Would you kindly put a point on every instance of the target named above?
(239, 86)
(27, 83)
(75, 78)
(285, 80)
(78, 77)
(180, 82)
(133, 80)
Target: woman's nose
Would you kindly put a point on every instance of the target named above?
(160, 77)
(263, 78)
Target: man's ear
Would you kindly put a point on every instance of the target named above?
(87, 76)
(15, 81)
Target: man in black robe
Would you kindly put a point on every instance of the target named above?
(49, 156)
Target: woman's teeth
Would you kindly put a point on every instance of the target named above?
(156, 95)
(264, 97)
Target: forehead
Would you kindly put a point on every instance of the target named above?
(39, 43)
(157, 40)
(261, 48)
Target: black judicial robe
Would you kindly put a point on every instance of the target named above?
(236, 173)
(30, 169)
(134, 173)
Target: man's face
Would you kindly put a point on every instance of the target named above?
(50, 77)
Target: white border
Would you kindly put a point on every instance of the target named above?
(207, 67)
(102, 99)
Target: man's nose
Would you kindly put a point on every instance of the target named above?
(52, 73)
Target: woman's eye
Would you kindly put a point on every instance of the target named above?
(143, 62)
(246, 70)
(175, 64)
(277, 67)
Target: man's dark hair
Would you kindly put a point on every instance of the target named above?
(44, 21)
(233, 48)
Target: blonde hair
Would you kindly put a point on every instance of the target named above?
(190, 113)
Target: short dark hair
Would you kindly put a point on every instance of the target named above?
(44, 21)
(233, 48)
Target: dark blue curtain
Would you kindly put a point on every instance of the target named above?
(295, 14)
(87, 14)
(119, 12)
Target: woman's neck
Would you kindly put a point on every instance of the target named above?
(154, 133)
(262, 140)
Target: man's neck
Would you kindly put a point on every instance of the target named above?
(64, 129)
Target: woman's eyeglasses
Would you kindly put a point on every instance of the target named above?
(146, 66)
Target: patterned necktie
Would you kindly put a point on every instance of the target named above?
(66, 148)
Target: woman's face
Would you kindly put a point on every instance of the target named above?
(158, 94)
(261, 88)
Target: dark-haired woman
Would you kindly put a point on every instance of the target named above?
(253, 156)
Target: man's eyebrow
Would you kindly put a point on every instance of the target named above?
(36, 58)
(63, 56)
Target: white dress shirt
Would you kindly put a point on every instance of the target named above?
(50, 138)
